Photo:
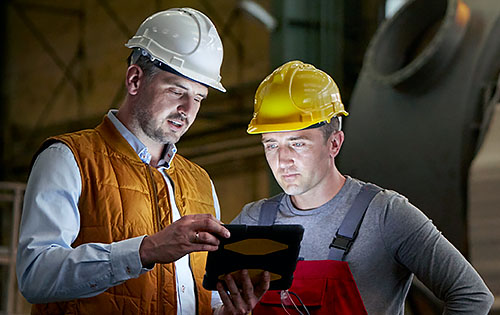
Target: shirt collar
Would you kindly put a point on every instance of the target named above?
(138, 146)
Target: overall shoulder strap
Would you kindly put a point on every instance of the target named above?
(269, 210)
(348, 230)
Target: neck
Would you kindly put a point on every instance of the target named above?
(321, 195)
(154, 148)
(156, 152)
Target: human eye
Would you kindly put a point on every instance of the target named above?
(298, 144)
(176, 92)
(270, 146)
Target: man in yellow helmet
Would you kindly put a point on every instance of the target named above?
(114, 221)
(357, 236)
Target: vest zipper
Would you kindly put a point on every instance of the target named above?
(156, 214)
(157, 224)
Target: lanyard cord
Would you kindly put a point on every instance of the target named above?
(287, 299)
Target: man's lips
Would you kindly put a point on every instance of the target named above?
(175, 124)
(289, 177)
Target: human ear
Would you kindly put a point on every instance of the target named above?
(335, 142)
(133, 79)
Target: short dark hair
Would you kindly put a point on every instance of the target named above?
(330, 127)
(149, 69)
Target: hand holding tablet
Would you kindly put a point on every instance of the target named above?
(272, 248)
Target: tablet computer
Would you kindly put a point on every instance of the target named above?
(257, 248)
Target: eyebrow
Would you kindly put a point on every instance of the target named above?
(204, 96)
(294, 138)
(298, 138)
(182, 86)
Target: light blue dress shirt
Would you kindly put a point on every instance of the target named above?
(48, 268)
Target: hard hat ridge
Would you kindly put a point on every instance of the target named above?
(293, 97)
(185, 40)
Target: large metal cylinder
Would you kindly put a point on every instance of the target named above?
(417, 108)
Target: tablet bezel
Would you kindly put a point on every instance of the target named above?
(281, 262)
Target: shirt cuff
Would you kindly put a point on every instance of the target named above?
(125, 259)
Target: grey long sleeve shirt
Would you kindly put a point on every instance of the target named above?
(396, 241)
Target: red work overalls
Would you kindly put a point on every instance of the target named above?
(322, 286)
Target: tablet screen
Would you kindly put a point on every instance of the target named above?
(257, 248)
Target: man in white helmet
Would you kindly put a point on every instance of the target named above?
(362, 244)
(114, 221)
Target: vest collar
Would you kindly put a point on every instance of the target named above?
(133, 142)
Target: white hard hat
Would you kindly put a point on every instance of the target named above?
(186, 40)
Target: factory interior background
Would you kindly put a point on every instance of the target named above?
(420, 79)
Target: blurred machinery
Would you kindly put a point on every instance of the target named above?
(421, 103)
(421, 107)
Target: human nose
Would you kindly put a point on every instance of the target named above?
(285, 158)
(186, 105)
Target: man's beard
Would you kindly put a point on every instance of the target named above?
(153, 127)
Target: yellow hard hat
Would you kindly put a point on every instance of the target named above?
(293, 97)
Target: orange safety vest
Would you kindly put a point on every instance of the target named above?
(121, 198)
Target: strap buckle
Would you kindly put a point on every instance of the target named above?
(342, 242)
